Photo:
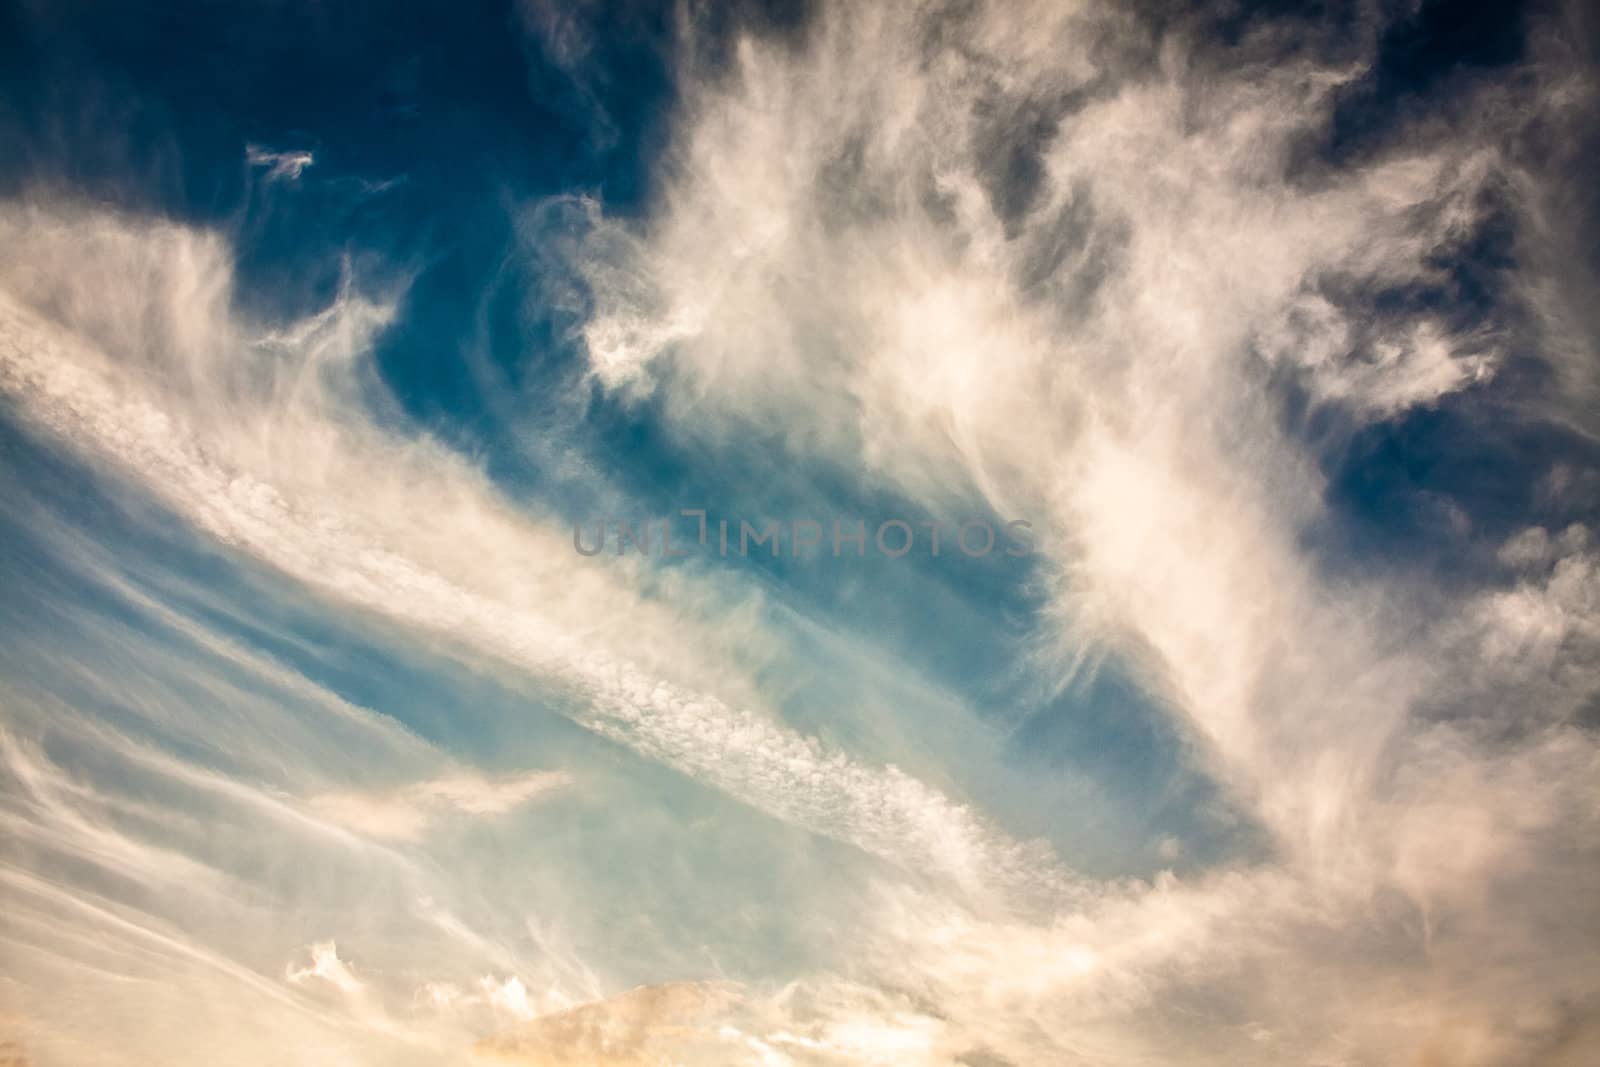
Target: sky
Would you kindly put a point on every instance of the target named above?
(1181, 639)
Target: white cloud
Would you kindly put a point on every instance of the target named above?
(844, 249)
(280, 166)
(405, 813)
(327, 966)
(266, 443)
(509, 995)
(847, 247)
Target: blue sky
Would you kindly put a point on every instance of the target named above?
(322, 327)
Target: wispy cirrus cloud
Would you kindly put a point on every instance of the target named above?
(500, 582)
(1054, 260)
(985, 254)
(284, 166)
(405, 813)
